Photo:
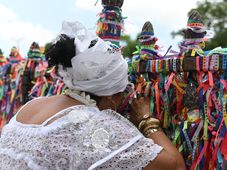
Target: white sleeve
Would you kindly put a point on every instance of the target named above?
(136, 151)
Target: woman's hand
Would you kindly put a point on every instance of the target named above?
(169, 158)
(140, 109)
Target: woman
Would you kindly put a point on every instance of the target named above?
(73, 131)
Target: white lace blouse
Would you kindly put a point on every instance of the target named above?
(78, 138)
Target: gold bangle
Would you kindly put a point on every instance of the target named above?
(141, 124)
(150, 131)
(152, 121)
(150, 127)
(148, 122)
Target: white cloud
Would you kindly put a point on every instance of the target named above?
(169, 13)
(17, 32)
(7, 13)
(131, 29)
(88, 5)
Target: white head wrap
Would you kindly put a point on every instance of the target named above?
(100, 70)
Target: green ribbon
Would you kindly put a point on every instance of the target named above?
(152, 101)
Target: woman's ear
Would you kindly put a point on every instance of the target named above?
(109, 97)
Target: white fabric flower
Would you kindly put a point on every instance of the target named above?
(78, 116)
(100, 139)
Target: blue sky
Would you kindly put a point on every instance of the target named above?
(25, 21)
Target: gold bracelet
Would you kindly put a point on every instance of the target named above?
(148, 122)
(150, 127)
(141, 124)
(150, 131)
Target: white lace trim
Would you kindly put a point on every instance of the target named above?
(124, 147)
(42, 129)
(156, 149)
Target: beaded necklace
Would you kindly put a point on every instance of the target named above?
(81, 97)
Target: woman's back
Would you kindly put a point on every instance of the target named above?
(77, 137)
(38, 111)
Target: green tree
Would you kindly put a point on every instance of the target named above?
(129, 46)
(215, 17)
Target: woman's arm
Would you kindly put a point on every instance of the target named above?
(169, 158)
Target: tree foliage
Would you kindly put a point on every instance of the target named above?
(215, 17)
(129, 46)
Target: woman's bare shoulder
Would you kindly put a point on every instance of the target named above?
(39, 110)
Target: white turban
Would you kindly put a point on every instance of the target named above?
(100, 70)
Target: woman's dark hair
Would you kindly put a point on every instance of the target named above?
(61, 52)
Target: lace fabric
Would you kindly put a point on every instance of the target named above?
(80, 138)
